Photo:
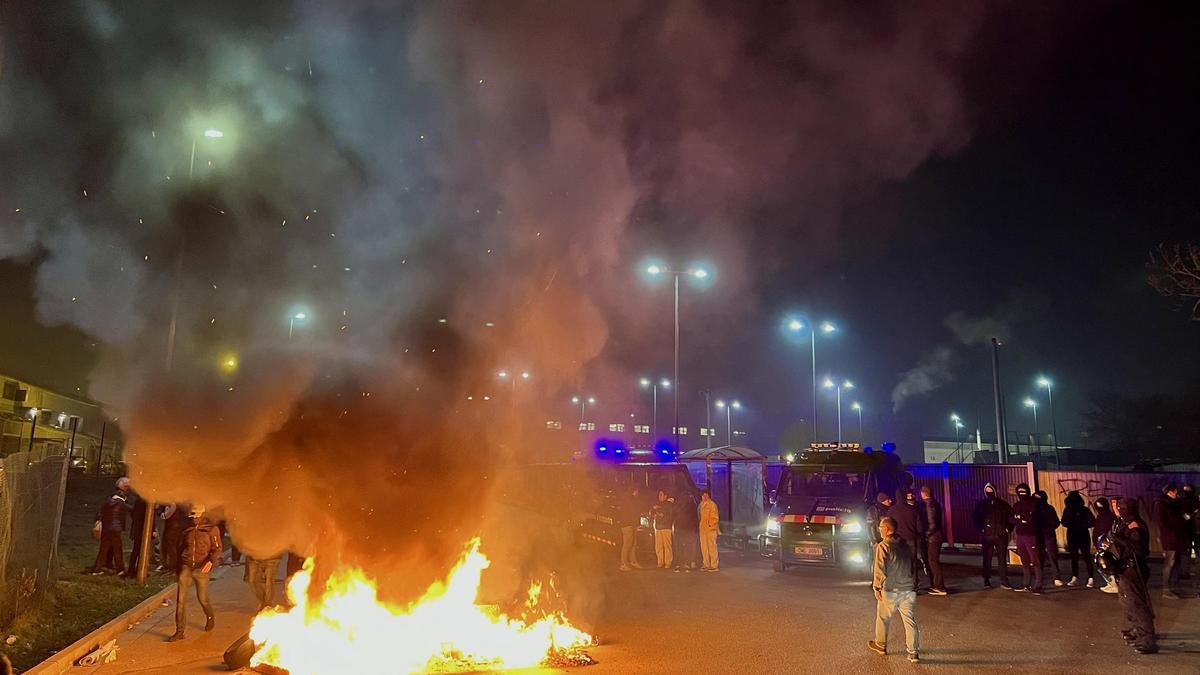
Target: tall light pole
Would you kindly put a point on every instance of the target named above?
(845, 384)
(857, 407)
(512, 378)
(296, 316)
(796, 325)
(647, 383)
(33, 415)
(729, 408)
(1045, 382)
(958, 425)
(707, 419)
(582, 402)
(695, 273)
(1032, 405)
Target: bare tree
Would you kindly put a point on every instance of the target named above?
(1174, 271)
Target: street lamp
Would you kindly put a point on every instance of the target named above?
(653, 387)
(797, 325)
(1044, 381)
(208, 133)
(300, 316)
(857, 407)
(845, 384)
(1032, 405)
(33, 415)
(696, 272)
(958, 425)
(729, 408)
(582, 402)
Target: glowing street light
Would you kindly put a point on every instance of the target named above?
(298, 316)
(845, 384)
(208, 133)
(1032, 405)
(729, 408)
(653, 387)
(1044, 381)
(958, 425)
(582, 402)
(696, 272)
(857, 407)
(797, 324)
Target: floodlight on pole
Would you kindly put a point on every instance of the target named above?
(797, 324)
(845, 384)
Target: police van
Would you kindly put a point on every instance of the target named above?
(818, 512)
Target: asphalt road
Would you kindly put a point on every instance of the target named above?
(750, 619)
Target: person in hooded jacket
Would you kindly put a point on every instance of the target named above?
(1104, 523)
(1129, 544)
(1048, 534)
(1078, 520)
(935, 534)
(993, 520)
(113, 517)
(1027, 522)
(875, 513)
(1173, 535)
(911, 525)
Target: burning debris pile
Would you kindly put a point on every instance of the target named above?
(347, 628)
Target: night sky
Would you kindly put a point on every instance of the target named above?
(1022, 201)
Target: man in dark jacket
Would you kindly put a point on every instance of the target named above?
(137, 523)
(1048, 534)
(895, 585)
(935, 534)
(1026, 522)
(199, 553)
(687, 534)
(663, 514)
(1129, 543)
(175, 521)
(1078, 520)
(1173, 535)
(1104, 523)
(992, 518)
(630, 512)
(875, 513)
(113, 515)
(910, 525)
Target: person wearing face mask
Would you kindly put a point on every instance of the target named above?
(992, 518)
(1123, 552)
(199, 553)
(1027, 524)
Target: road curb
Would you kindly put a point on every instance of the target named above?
(65, 659)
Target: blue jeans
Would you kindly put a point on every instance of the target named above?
(904, 602)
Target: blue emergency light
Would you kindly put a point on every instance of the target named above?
(611, 449)
(664, 451)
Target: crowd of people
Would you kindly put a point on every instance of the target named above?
(685, 533)
(186, 543)
(908, 535)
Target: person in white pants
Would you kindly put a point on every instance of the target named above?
(710, 527)
(663, 514)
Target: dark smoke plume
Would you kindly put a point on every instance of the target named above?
(441, 189)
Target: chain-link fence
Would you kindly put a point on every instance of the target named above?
(32, 489)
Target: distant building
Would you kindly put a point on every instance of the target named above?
(1040, 451)
(72, 425)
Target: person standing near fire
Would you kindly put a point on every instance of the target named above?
(630, 510)
(111, 520)
(663, 515)
(199, 553)
(710, 527)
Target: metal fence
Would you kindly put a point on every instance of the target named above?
(32, 490)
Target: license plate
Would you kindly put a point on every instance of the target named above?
(811, 551)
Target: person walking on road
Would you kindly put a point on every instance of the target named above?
(935, 534)
(895, 585)
(663, 515)
(993, 521)
(1100, 530)
(710, 527)
(1048, 534)
(260, 574)
(909, 522)
(1125, 550)
(112, 518)
(875, 513)
(1026, 522)
(1173, 535)
(1078, 520)
(199, 553)
(631, 519)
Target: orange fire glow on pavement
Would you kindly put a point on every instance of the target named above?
(349, 630)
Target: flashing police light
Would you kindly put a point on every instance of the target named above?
(664, 451)
(611, 449)
(889, 446)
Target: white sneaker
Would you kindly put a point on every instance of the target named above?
(1110, 588)
(1073, 582)
(1091, 583)
(1058, 582)
(625, 568)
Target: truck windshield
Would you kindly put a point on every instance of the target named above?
(840, 484)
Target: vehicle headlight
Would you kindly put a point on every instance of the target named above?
(856, 558)
(853, 527)
(772, 527)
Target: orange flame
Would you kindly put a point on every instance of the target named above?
(348, 629)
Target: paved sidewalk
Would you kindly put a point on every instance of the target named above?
(144, 649)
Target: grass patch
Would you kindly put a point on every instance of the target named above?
(78, 603)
